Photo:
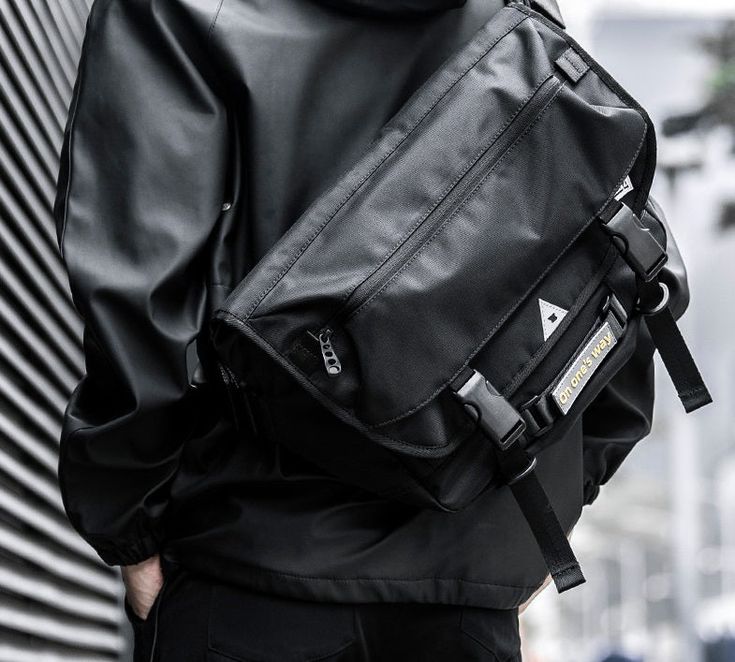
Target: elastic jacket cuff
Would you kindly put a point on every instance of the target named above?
(129, 553)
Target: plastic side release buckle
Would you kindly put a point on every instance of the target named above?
(497, 418)
(640, 248)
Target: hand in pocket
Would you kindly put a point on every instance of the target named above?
(143, 582)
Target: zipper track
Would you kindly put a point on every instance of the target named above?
(373, 283)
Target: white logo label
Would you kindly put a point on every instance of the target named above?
(625, 187)
(583, 367)
(551, 317)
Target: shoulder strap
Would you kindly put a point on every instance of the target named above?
(549, 8)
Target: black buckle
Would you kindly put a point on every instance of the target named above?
(497, 418)
(640, 248)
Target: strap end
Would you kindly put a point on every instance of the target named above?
(695, 399)
(568, 577)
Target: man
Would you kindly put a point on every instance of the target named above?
(198, 132)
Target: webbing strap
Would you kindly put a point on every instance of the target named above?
(675, 354)
(646, 257)
(503, 427)
(517, 466)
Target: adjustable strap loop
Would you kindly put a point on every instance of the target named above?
(672, 347)
(504, 426)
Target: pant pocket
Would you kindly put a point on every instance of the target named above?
(495, 630)
(249, 626)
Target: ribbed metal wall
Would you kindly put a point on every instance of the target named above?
(58, 601)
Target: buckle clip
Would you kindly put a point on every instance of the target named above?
(640, 248)
(497, 418)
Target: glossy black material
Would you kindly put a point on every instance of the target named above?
(199, 131)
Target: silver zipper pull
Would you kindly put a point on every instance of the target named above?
(331, 360)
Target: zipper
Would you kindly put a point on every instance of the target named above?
(331, 361)
(413, 242)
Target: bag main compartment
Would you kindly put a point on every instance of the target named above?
(424, 250)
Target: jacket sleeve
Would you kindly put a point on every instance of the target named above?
(622, 413)
(139, 192)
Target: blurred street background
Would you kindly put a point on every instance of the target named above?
(657, 546)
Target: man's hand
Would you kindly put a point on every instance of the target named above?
(142, 582)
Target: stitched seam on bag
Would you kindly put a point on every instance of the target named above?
(612, 85)
(373, 426)
(449, 187)
(510, 312)
(382, 160)
(328, 397)
(397, 490)
(694, 391)
(430, 397)
(569, 59)
(468, 197)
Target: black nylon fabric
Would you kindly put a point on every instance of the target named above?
(198, 132)
(410, 265)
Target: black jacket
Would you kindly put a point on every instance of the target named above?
(199, 130)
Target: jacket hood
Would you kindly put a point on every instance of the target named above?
(392, 7)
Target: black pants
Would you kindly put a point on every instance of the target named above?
(196, 620)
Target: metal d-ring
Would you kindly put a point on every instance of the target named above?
(665, 295)
(522, 474)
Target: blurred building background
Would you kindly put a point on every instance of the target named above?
(658, 546)
(58, 601)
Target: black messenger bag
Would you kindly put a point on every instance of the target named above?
(452, 304)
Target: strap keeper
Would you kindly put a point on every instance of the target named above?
(538, 415)
(612, 305)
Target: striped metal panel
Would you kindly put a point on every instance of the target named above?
(58, 600)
